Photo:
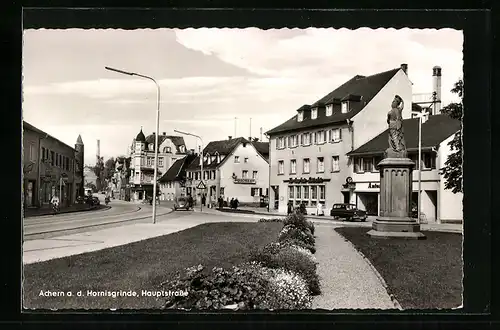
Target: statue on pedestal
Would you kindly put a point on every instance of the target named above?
(397, 144)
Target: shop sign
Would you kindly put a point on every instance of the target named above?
(244, 181)
(349, 184)
(374, 185)
(307, 180)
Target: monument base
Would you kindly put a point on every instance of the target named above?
(396, 227)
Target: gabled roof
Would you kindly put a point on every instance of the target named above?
(359, 87)
(175, 172)
(225, 148)
(434, 131)
(176, 140)
(28, 126)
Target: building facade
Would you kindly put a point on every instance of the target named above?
(173, 182)
(50, 167)
(233, 168)
(142, 154)
(438, 203)
(308, 153)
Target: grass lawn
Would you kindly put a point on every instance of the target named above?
(422, 274)
(141, 265)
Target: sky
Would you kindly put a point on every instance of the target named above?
(208, 77)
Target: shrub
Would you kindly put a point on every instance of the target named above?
(290, 259)
(291, 232)
(218, 288)
(271, 220)
(300, 243)
(288, 289)
(310, 225)
(297, 220)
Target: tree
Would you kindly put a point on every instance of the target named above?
(109, 169)
(98, 171)
(452, 171)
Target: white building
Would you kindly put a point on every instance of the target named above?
(142, 165)
(438, 203)
(173, 182)
(233, 168)
(308, 152)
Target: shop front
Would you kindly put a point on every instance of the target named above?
(308, 191)
(368, 197)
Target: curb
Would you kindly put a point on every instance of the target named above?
(396, 303)
(104, 208)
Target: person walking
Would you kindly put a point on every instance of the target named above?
(55, 203)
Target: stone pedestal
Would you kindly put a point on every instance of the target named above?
(395, 221)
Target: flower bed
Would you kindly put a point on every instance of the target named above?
(281, 275)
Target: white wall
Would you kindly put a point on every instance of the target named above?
(255, 163)
(451, 204)
(372, 120)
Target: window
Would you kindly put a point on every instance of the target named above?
(255, 175)
(160, 161)
(281, 167)
(314, 192)
(335, 135)
(358, 165)
(320, 137)
(335, 164)
(31, 152)
(314, 113)
(329, 109)
(322, 192)
(212, 175)
(236, 159)
(43, 154)
(306, 168)
(320, 165)
(344, 107)
(290, 191)
(280, 143)
(300, 116)
(367, 164)
(305, 189)
(222, 190)
(306, 139)
(254, 191)
(244, 174)
(149, 161)
(293, 166)
(297, 192)
(246, 160)
(429, 161)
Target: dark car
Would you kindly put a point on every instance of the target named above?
(347, 212)
(181, 203)
(96, 201)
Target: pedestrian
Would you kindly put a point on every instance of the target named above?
(204, 200)
(221, 203)
(190, 201)
(236, 203)
(231, 203)
(55, 203)
(289, 208)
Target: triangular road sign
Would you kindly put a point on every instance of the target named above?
(201, 185)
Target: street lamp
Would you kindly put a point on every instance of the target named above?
(201, 156)
(155, 178)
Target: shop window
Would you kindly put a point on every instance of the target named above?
(314, 192)
(322, 191)
(290, 191)
(367, 164)
(305, 189)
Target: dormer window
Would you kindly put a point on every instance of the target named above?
(182, 149)
(345, 106)
(314, 113)
(300, 116)
(329, 109)
(166, 150)
(151, 147)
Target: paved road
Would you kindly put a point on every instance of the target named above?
(120, 212)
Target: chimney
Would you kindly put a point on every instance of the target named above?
(404, 67)
(436, 90)
(164, 133)
(229, 137)
(261, 134)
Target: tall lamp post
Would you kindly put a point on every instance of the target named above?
(155, 178)
(201, 156)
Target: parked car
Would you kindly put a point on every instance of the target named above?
(347, 212)
(181, 203)
(96, 201)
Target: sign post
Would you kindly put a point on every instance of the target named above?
(201, 186)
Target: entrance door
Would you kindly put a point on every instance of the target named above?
(29, 194)
(276, 196)
(346, 195)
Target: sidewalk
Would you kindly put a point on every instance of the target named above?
(347, 281)
(262, 213)
(47, 210)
